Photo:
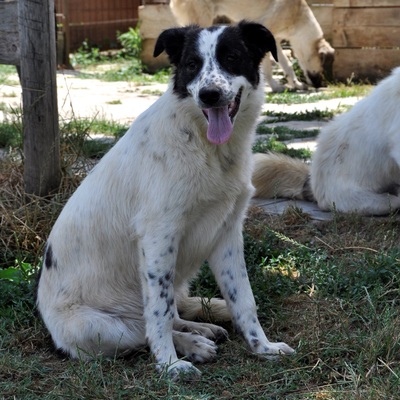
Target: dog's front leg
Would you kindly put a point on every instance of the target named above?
(157, 263)
(228, 265)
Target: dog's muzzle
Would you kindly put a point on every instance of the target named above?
(220, 116)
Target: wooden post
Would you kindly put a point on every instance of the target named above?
(9, 38)
(42, 172)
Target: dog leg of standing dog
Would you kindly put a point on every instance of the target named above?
(283, 61)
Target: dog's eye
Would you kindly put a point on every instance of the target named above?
(192, 65)
(231, 58)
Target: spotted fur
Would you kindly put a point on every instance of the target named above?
(162, 201)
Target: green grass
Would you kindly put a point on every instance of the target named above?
(5, 72)
(331, 290)
(314, 115)
(334, 92)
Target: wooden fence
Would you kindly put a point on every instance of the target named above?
(364, 33)
(95, 21)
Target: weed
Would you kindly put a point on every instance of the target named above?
(314, 115)
(131, 42)
(273, 144)
(338, 91)
(114, 102)
(285, 133)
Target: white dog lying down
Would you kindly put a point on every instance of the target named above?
(172, 193)
(356, 166)
(290, 20)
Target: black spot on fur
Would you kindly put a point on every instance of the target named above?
(255, 342)
(253, 334)
(151, 276)
(168, 276)
(49, 260)
(233, 295)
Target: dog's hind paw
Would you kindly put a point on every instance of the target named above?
(272, 351)
(195, 347)
(181, 371)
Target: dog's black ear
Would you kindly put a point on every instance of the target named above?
(172, 41)
(258, 39)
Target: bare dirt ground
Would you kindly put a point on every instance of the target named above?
(125, 101)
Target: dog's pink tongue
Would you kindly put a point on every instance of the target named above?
(219, 125)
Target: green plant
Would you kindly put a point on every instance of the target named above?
(335, 91)
(314, 115)
(87, 55)
(131, 42)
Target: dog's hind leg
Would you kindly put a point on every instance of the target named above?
(87, 333)
(195, 347)
(202, 308)
(195, 340)
(360, 200)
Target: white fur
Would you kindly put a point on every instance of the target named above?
(138, 228)
(358, 154)
(356, 166)
(290, 20)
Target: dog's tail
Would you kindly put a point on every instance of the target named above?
(191, 308)
(277, 175)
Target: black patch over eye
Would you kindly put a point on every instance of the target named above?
(231, 58)
(193, 65)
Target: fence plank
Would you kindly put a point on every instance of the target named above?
(372, 64)
(324, 15)
(356, 37)
(366, 3)
(382, 17)
(42, 173)
(9, 36)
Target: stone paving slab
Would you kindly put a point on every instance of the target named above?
(279, 206)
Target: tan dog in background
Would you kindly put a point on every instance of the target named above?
(290, 20)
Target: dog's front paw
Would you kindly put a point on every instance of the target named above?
(181, 371)
(272, 351)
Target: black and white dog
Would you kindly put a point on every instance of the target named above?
(172, 193)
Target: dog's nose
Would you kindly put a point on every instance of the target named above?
(210, 96)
